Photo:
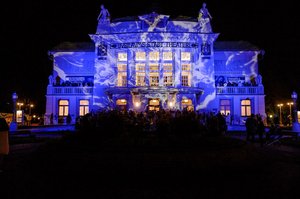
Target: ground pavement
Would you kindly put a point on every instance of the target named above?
(151, 167)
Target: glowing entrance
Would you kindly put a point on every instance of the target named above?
(187, 104)
(121, 104)
(153, 105)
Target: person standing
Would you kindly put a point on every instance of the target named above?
(260, 129)
(251, 127)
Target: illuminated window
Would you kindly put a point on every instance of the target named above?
(154, 67)
(154, 79)
(168, 66)
(122, 75)
(83, 107)
(185, 56)
(186, 74)
(185, 80)
(245, 107)
(122, 67)
(167, 56)
(121, 102)
(168, 79)
(122, 56)
(154, 56)
(140, 67)
(140, 56)
(140, 74)
(225, 106)
(140, 79)
(186, 67)
(63, 108)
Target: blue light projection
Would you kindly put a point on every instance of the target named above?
(174, 61)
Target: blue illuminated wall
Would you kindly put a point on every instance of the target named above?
(221, 70)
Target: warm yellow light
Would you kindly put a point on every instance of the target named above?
(279, 105)
(170, 104)
(290, 103)
(185, 100)
(123, 100)
(137, 104)
(154, 100)
(271, 116)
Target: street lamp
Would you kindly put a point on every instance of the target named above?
(20, 105)
(290, 116)
(13, 125)
(280, 118)
(30, 107)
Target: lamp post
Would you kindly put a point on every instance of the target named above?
(30, 118)
(13, 125)
(296, 127)
(290, 116)
(280, 118)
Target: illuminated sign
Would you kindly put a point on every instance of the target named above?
(154, 44)
(19, 116)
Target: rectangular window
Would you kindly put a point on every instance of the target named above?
(63, 108)
(122, 56)
(154, 56)
(122, 67)
(122, 74)
(168, 79)
(140, 56)
(246, 108)
(186, 67)
(140, 79)
(154, 79)
(154, 67)
(168, 66)
(185, 56)
(225, 106)
(185, 80)
(122, 79)
(167, 56)
(140, 76)
(83, 107)
(140, 67)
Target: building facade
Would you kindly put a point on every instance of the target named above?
(154, 62)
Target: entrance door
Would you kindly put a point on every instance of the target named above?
(153, 105)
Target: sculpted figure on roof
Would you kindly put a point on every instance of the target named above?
(104, 15)
(204, 19)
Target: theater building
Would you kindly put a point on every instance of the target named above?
(154, 62)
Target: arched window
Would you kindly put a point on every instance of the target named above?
(63, 107)
(83, 107)
(245, 108)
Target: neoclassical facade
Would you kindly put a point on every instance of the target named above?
(154, 62)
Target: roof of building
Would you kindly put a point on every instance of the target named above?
(218, 46)
(234, 46)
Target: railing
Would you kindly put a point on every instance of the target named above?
(64, 90)
(239, 90)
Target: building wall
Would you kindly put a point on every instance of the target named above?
(215, 75)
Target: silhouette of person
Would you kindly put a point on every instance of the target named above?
(104, 15)
(251, 127)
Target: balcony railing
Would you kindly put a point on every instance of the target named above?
(240, 90)
(64, 90)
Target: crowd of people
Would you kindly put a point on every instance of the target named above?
(161, 122)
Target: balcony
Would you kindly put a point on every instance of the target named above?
(66, 90)
(240, 90)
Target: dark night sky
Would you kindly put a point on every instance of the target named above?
(30, 28)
